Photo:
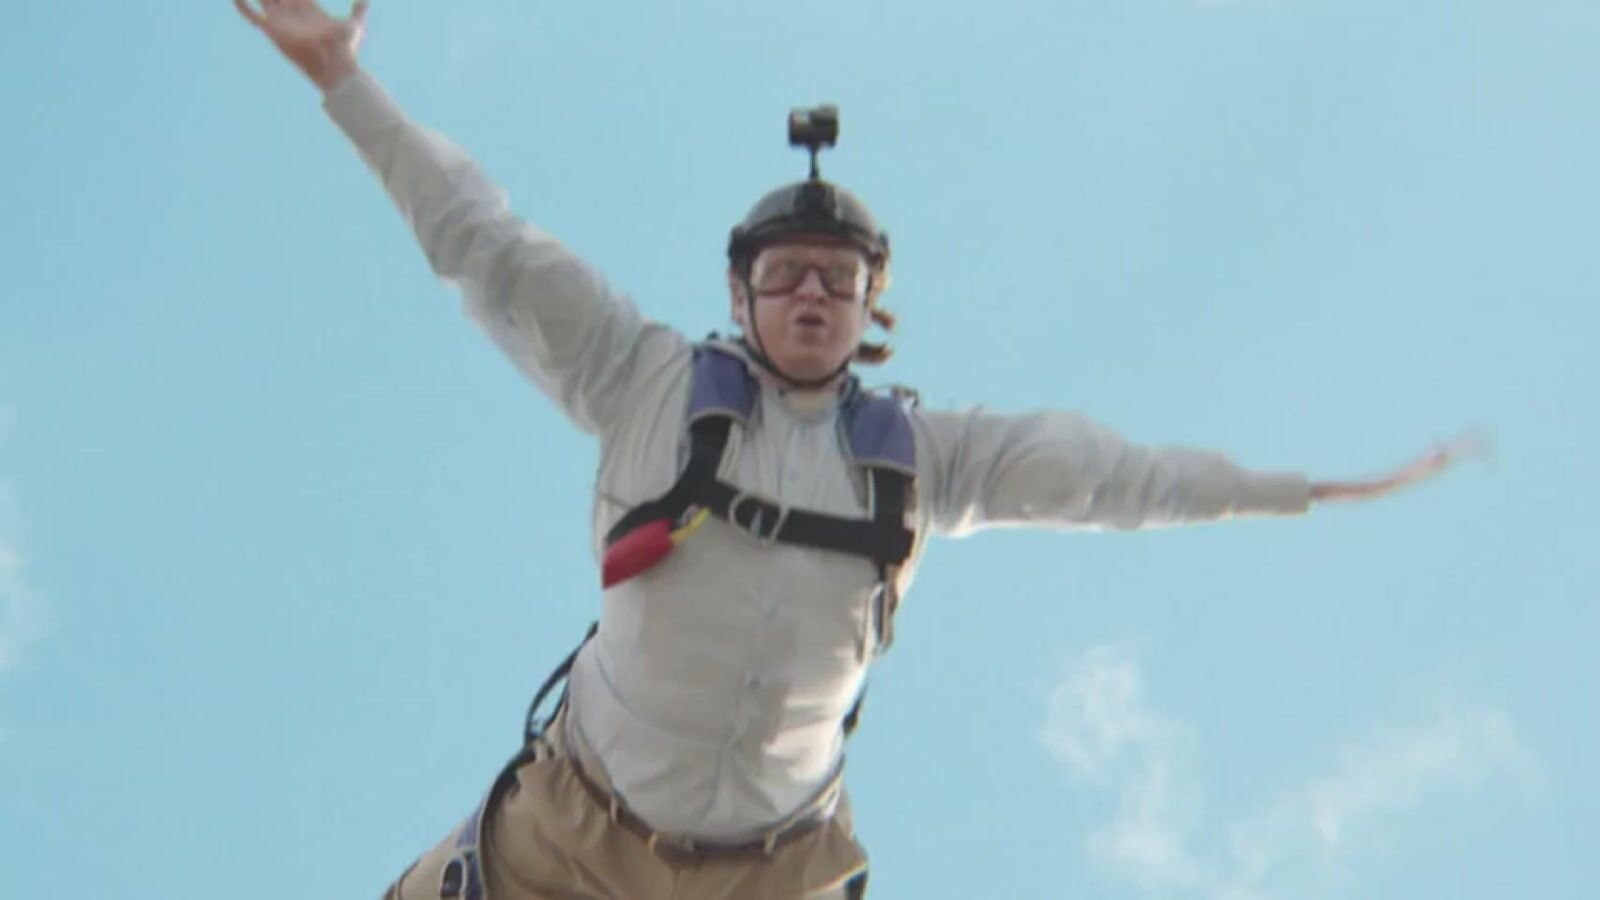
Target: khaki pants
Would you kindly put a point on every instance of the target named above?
(549, 839)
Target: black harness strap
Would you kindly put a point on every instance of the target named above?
(884, 539)
(708, 437)
(532, 726)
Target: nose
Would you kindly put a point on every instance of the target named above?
(811, 286)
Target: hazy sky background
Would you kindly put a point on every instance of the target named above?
(285, 545)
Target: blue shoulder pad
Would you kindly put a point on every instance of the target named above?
(880, 432)
(721, 385)
(876, 425)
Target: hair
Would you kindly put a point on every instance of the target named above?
(867, 352)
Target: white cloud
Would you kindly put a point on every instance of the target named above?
(1379, 778)
(20, 621)
(21, 616)
(473, 34)
(1101, 729)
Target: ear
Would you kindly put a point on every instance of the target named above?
(736, 300)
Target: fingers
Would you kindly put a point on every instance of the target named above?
(258, 19)
(358, 12)
(1422, 469)
(249, 13)
(1472, 444)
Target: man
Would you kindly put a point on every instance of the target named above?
(758, 517)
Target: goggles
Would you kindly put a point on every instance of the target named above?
(843, 275)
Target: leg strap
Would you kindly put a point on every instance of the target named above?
(463, 877)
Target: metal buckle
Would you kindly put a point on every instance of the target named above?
(780, 514)
(453, 880)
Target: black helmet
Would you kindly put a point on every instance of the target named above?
(810, 207)
(813, 206)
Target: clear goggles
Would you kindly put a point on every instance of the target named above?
(844, 273)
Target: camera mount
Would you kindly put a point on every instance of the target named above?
(814, 128)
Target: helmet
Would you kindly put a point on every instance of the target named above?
(811, 207)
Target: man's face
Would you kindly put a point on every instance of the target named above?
(811, 304)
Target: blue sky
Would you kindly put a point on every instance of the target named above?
(285, 545)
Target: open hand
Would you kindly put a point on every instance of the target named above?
(1437, 460)
(321, 46)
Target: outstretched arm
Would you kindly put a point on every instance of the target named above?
(582, 343)
(1057, 469)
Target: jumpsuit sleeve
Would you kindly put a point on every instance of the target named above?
(578, 340)
(1060, 470)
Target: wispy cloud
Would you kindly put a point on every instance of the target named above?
(473, 33)
(1380, 777)
(21, 616)
(20, 620)
(1103, 731)
(1100, 728)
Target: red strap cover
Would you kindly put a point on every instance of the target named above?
(636, 551)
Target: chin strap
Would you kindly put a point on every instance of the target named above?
(758, 350)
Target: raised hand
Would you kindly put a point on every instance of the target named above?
(1467, 446)
(321, 46)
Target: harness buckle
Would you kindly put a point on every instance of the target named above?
(765, 520)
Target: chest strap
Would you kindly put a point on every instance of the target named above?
(877, 432)
(884, 539)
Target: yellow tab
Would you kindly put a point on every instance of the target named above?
(688, 529)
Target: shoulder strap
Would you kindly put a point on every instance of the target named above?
(880, 440)
(708, 439)
(879, 430)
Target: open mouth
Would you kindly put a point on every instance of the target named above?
(810, 320)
